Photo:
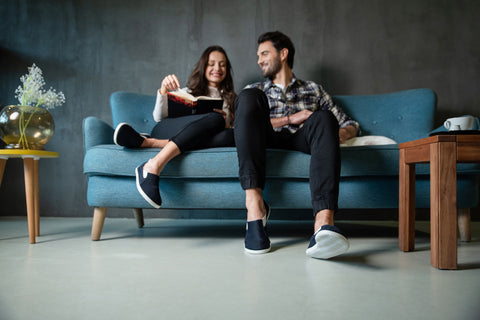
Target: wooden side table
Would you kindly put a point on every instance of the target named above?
(30, 167)
(443, 152)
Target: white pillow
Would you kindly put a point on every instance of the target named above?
(368, 141)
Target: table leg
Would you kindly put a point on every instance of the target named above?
(443, 205)
(2, 168)
(406, 205)
(28, 168)
(36, 197)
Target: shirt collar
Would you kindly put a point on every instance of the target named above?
(214, 91)
(269, 83)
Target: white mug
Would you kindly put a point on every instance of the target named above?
(459, 123)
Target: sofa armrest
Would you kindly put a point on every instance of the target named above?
(95, 132)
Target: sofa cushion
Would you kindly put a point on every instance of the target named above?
(223, 163)
(360, 161)
(118, 161)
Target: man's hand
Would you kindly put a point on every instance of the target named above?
(347, 133)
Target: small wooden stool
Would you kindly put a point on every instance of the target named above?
(30, 167)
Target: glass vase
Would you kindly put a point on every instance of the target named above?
(26, 127)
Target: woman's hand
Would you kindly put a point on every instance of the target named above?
(169, 83)
(224, 114)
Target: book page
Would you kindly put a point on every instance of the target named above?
(188, 97)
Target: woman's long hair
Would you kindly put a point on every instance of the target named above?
(198, 84)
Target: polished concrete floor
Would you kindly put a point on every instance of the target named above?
(196, 269)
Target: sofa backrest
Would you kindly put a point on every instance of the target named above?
(401, 116)
(133, 108)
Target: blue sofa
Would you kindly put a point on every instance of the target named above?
(209, 178)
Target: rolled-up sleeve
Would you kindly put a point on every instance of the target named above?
(344, 120)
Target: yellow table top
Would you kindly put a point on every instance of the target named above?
(20, 153)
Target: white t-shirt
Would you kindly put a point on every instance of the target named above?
(161, 105)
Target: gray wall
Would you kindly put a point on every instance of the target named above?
(90, 48)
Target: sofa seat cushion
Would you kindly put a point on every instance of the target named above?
(113, 160)
(361, 161)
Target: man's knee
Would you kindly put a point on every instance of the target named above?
(323, 119)
(250, 93)
(249, 99)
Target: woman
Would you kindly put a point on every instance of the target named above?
(211, 77)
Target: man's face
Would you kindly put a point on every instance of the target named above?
(268, 59)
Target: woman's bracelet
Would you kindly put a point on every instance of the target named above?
(288, 119)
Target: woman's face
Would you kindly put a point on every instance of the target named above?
(216, 70)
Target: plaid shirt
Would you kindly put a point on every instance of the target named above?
(300, 95)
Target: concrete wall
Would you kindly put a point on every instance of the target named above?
(91, 48)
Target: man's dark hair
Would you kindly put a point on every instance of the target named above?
(279, 41)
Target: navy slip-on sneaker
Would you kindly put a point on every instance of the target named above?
(256, 237)
(327, 243)
(147, 185)
(126, 136)
(267, 214)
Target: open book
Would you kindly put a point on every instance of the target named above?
(181, 103)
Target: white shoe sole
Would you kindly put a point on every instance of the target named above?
(257, 251)
(328, 245)
(115, 134)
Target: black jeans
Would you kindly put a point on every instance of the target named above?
(318, 137)
(195, 131)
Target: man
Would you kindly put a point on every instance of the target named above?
(288, 113)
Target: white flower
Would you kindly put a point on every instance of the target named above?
(50, 99)
(31, 93)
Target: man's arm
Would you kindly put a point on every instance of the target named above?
(349, 128)
(296, 118)
(279, 122)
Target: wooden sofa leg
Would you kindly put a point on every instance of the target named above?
(138, 212)
(98, 220)
(464, 227)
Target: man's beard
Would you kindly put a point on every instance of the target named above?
(272, 69)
